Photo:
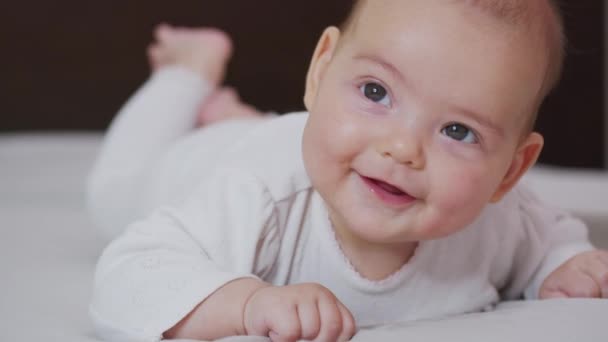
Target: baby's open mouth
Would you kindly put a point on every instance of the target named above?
(389, 188)
(388, 193)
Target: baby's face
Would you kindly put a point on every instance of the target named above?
(416, 116)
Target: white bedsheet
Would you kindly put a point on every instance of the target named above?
(49, 248)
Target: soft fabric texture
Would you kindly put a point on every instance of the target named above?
(237, 203)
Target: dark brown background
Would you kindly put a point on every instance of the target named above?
(70, 64)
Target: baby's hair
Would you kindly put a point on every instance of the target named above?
(530, 14)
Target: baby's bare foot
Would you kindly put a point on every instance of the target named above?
(222, 105)
(205, 51)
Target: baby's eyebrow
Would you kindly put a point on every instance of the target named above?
(481, 120)
(384, 64)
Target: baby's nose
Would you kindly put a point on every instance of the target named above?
(403, 149)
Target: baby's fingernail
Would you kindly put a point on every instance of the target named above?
(273, 336)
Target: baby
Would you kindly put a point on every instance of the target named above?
(393, 198)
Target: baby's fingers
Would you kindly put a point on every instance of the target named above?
(584, 276)
(309, 320)
(331, 320)
(574, 284)
(597, 269)
(285, 325)
(348, 324)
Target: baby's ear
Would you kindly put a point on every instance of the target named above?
(526, 155)
(322, 56)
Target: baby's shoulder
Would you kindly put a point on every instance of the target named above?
(271, 151)
(519, 210)
(498, 227)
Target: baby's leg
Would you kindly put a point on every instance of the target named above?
(225, 104)
(188, 64)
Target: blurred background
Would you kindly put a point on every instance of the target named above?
(68, 65)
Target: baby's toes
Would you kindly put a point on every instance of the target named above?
(163, 32)
(157, 56)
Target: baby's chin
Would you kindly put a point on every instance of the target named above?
(417, 230)
(386, 233)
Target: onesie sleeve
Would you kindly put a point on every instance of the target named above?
(548, 237)
(162, 267)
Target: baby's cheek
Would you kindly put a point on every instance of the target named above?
(463, 196)
(345, 141)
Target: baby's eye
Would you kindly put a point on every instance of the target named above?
(460, 133)
(376, 93)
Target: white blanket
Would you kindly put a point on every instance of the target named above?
(49, 249)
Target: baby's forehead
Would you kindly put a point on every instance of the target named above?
(529, 20)
(491, 25)
(515, 12)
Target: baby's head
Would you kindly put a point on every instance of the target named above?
(421, 111)
(538, 18)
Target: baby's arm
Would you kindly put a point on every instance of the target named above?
(550, 237)
(284, 313)
(583, 276)
(163, 267)
(191, 273)
(220, 315)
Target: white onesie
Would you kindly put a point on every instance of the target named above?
(235, 201)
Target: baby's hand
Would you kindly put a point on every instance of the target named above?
(583, 276)
(291, 313)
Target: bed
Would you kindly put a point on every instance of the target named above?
(49, 248)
